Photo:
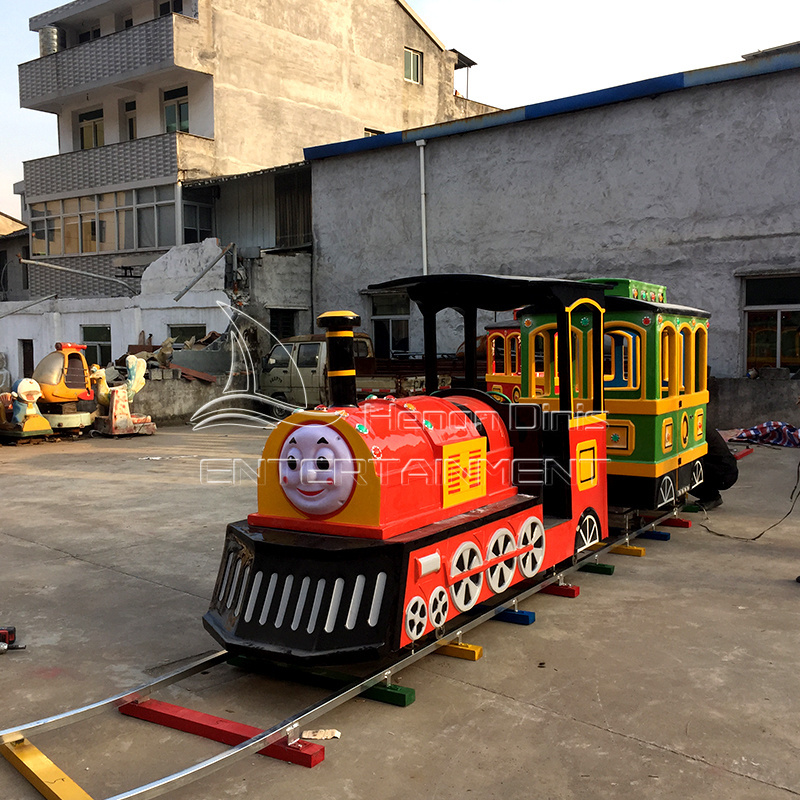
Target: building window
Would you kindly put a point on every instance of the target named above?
(127, 22)
(102, 223)
(390, 316)
(3, 271)
(129, 131)
(97, 339)
(87, 36)
(176, 110)
(196, 223)
(184, 333)
(372, 132)
(413, 65)
(772, 322)
(90, 129)
(282, 322)
(171, 7)
(26, 357)
(26, 254)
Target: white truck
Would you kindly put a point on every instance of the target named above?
(294, 372)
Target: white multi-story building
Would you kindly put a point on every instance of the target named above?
(151, 94)
(157, 101)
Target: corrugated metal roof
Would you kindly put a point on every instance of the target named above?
(763, 65)
(244, 175)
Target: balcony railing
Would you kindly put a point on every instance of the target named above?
(154, 158)
(110, 59)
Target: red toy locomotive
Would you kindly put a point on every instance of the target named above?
(387, 523)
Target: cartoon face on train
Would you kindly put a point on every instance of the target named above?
(317, 470)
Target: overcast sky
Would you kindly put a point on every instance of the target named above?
(527, 51)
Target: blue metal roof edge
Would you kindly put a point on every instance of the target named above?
(762, 65)
(604, 97)
(352, 146)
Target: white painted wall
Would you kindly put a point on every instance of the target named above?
(152, 311)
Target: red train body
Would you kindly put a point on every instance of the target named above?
(387, 523)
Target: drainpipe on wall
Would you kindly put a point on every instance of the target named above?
(423, 213)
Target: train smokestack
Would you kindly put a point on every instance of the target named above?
(341, 362)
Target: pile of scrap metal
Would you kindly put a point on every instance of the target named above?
(194, 359)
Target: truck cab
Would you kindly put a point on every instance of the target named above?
(294, 370)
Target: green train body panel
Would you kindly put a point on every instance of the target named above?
(651, 349)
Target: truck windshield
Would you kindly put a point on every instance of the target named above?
(278, 356)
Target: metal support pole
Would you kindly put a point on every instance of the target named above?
(423, 194)
(22, 308)
(203, 273)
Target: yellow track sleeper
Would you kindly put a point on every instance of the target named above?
(470, 652)
(41, 772)
(621, 549)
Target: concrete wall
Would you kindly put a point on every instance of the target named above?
(295, 74)
(171, 400)
(742, 403)
(684, 188)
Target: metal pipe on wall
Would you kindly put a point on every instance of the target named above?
(422, 200)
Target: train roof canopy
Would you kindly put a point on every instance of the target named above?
(629, 304)
(491, 292)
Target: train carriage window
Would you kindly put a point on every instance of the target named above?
(669, 362)
(514, 354)
(544, 380)
(578, 382)
(700, 359)
(497, 358)
(687, 373)
(621, 359)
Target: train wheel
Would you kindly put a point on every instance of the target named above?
(499, 576)
(588, 531)
(416, 618)
(438, 607)
(515, 394)
(531, 534)
(697, 474)
(666, 491)
(465, 591)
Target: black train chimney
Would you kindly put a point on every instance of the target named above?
(341, 362)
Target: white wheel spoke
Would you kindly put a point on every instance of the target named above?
(465, 592)
(531, 534)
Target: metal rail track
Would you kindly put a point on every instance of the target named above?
(291, 726)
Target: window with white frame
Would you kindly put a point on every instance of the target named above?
(97, 339)
(90, 129)
(129, 121)
(183, 333)
(176, 110)
(772, 322)
(134, 219)
(413, 65)
(390, 317)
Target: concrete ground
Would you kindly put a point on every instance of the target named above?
(677, 677)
